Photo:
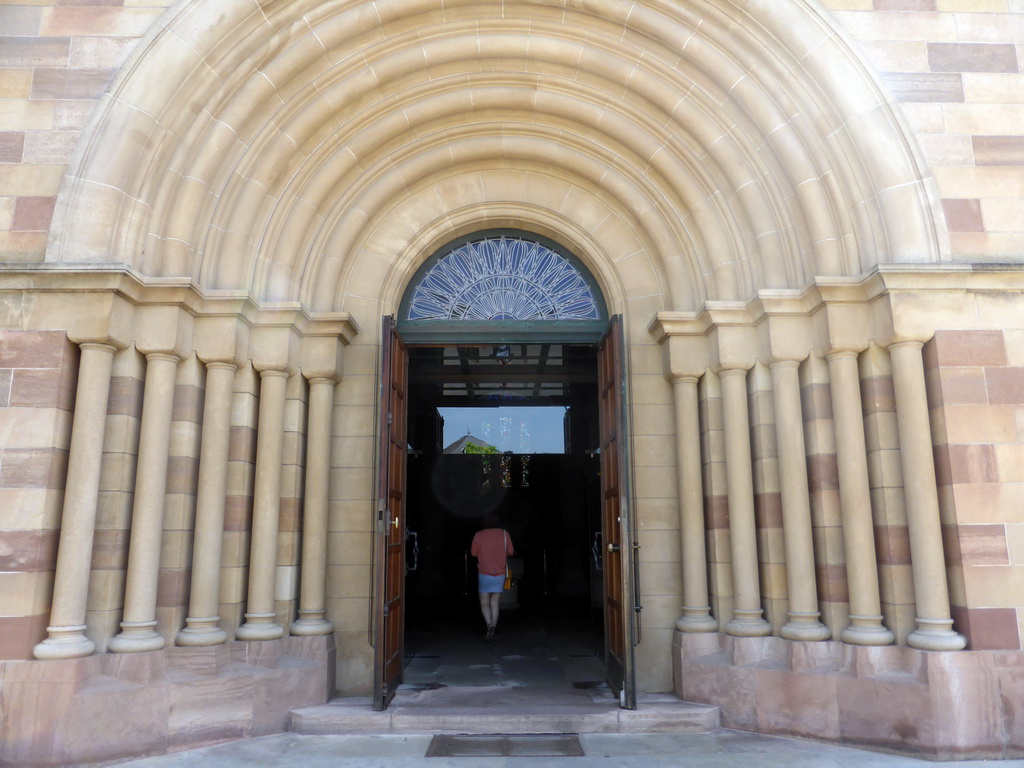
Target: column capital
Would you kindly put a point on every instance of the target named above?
(274, 347)
(222, 339)
(785, 336)
(843, 325)
(321, 357)
(163, 328)
(733, 347)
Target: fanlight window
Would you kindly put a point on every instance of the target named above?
(503, 277)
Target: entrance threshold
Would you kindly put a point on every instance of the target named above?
(504, 711)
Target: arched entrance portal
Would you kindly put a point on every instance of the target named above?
(503, 320)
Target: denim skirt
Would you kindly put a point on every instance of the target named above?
(488, 583)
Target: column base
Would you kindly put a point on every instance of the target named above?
(936, 635)
(64, 643)
(748, 623)
(311, 626)
(867, 630)
(201, 632)
(259, 626)
(696, 620)
(136, 637)
(805, 627)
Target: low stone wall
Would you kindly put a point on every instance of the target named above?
(108, 707)
(938, 705)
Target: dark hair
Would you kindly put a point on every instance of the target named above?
(491, 520)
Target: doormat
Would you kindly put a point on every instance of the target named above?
(507, 745)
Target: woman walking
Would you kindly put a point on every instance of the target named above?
(491, 547)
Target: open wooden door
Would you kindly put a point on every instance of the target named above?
(389, 547)
(621, 608)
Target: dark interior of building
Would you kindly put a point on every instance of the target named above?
(548, 502)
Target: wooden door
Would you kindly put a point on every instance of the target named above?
(389, 550)
(621, 608)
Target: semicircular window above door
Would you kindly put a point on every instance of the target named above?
(508, 282)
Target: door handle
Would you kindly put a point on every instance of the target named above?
(394, 521)
(613, 547)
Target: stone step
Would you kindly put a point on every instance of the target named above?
(470, 710)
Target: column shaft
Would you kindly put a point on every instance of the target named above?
(696, 611)
(855, 499)
(803, 621)
(934, 624)
(260, 615)
(313, 579)
(66, 634)
(202, 625)
(138, 626)
(747, 619)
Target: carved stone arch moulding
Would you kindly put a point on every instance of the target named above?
(258, 149)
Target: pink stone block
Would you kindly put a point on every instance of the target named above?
(797, 705)
(888, 714)
(969, 348)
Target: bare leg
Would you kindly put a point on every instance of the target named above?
(495, 607)
(485, 608)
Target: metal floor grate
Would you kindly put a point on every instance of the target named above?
(507, 745)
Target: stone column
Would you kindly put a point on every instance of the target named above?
(747, 619)
(312, 600)
(66, 634)
(260, 615)
(803, 621)
(934, 623)
(696, 611)
(138, 626)
(202, 625)
(865, 626)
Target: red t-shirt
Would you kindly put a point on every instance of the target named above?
(490, 547)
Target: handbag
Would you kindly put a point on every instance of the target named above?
(508, 571)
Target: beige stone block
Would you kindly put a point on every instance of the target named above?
(1003, 215)
(653, 419)
(349, 483)
(348, 581)
(352, 514)
(106, 590)
(26, 594)
(33, 427)
(988, 26)
(983, 119)
(233, 584)
(654, 450)
(981, 424)
(29, 509)
(993, 87)
(980, 503)
(30, 180)
(983, 183)
(885, 25)
(986, 247)
(946, 150)
(924, 118)
(994, 586)
(348, 614)
(897, 55)
(26, 115)
(972, 6)
(15, 83)
(97, 20)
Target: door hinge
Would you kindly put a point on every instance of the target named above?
(387, 610)
(391, 418)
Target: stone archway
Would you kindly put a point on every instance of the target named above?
(739, 148)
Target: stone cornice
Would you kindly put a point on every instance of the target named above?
(140, 291)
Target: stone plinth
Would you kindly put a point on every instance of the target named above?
(109, 707)
(941, 705)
